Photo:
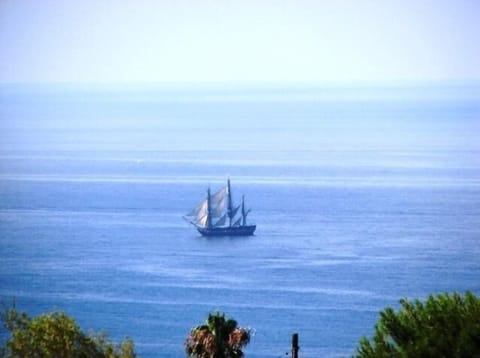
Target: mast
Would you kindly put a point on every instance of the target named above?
(230, 211)
(244, 215)
(209, 209)
(244, 212)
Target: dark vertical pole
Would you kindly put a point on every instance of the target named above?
(295, 347)
(244, 215)
(209, 209)
(229, 207)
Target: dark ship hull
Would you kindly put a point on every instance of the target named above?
(246, 230)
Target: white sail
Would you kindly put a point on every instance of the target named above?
(219, 196)
(217, 211)
(222, 204)
(202, 214)
(201, 209)
(219, 202)
(202, 221)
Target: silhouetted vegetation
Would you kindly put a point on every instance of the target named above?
(442, 326)
(445, 325)
(57, 335)
(219, 337)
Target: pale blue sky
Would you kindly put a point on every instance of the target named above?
(248, 40)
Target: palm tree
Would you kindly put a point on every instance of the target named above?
(217, 338)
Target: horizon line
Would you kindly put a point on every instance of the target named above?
(250, 83)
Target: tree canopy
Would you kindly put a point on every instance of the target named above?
(219, 337)
(57, 335)
(446, 325)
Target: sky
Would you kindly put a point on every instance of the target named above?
(164, 41)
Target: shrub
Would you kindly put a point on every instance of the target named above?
(442, 326)
(57, 335)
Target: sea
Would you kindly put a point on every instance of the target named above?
(363, 194)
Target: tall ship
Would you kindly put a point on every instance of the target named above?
(217, 215)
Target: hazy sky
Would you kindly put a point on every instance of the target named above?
(251, 40)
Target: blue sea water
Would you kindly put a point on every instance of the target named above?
(362, 196)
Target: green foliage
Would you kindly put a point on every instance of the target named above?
(219, 337)
(443, 326)
(57, 335)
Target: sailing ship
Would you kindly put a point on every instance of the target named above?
(217, 215)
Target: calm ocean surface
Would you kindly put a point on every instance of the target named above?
(362, 196)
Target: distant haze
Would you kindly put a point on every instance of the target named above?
(223, 41)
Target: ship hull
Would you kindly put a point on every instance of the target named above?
(246, 230)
